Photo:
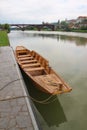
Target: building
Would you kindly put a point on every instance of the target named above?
(80, 19)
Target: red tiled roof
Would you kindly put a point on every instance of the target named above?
(82, 17)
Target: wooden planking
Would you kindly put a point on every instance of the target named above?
(37, 56)
(34, 69)
(26, 58)
(18, 48)
(30, 65)
(44, 84)
(28, 61)
(49, 82)
(37, 67)
(21, 56)
(50, 79)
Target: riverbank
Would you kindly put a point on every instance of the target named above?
(15, 107)
(4, 41)
(79, 31)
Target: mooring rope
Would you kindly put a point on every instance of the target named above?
(8, 84)
(35, 100)
(45, 101)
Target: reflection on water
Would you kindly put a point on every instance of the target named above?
(21, 36)
(53, 116)
(80, 41)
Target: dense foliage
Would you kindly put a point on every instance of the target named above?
(5, 27)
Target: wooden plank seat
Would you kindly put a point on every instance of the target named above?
(21, 56)
(30, 65)
(28, 61)
(34, 69)
(26, 58)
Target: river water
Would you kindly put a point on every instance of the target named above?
(67, 54)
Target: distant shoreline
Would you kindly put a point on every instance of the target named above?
(74, 34)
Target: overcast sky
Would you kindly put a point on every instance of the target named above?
(36, 11)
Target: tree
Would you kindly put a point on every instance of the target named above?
(6, 27)
(65, 26)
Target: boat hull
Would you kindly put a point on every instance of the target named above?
(37, 69)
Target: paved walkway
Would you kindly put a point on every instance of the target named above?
(15, 109)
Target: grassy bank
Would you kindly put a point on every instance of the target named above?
(4, 41)
(73, 30)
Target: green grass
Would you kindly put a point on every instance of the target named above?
(77, 30)
(4, 41)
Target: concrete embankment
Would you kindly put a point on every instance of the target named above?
(15, 108)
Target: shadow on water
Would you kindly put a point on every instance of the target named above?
(51, 113)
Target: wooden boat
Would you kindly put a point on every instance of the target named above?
(39, 71)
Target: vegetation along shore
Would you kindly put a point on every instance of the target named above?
(4, 41)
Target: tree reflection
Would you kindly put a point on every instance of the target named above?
(79, 41)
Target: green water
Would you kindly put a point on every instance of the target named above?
(67, 56)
